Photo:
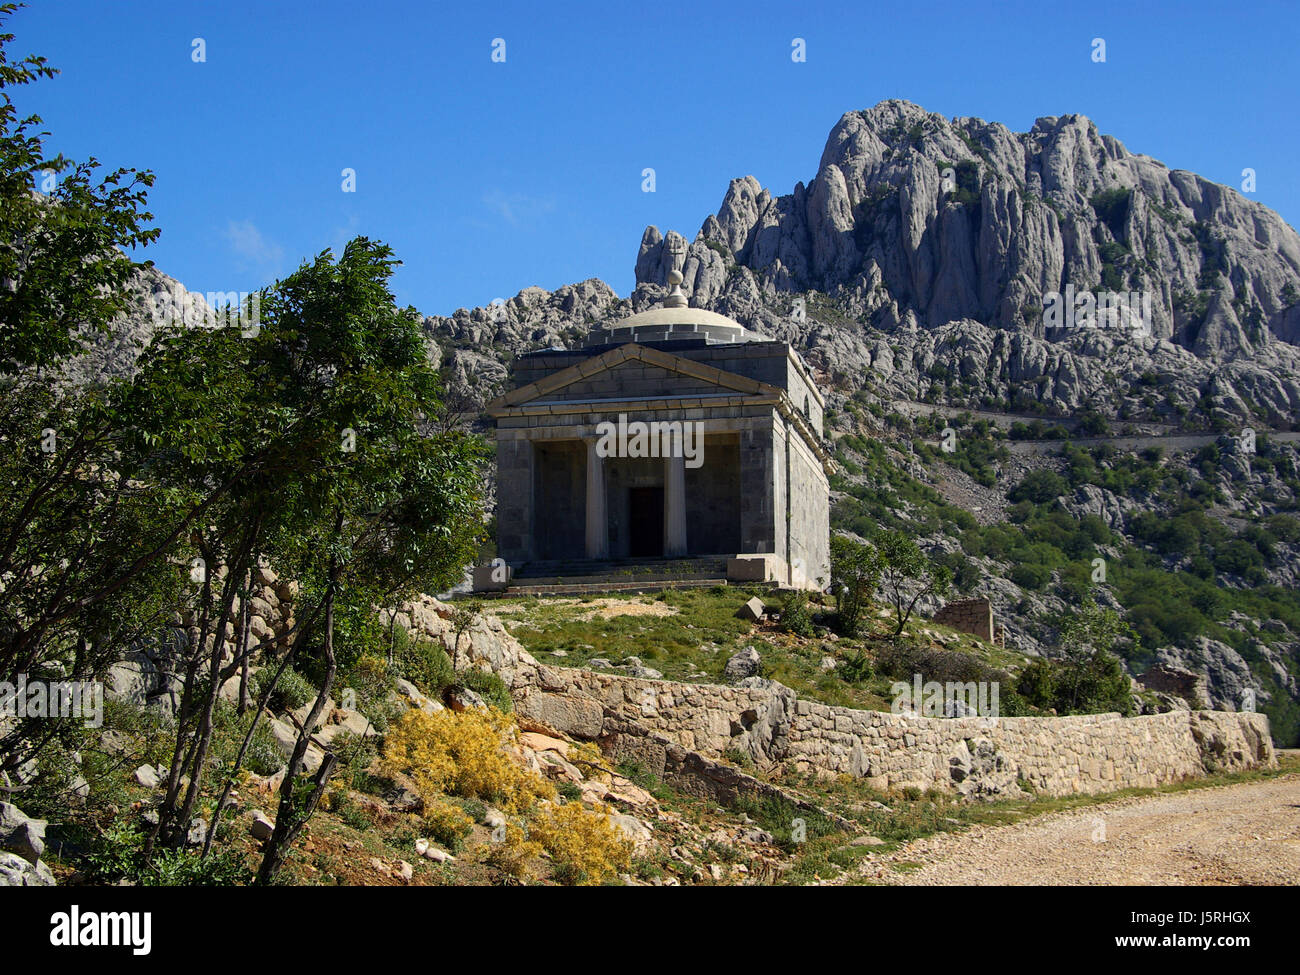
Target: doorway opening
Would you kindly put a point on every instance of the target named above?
(645, 508)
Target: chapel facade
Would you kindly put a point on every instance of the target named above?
(676, 434)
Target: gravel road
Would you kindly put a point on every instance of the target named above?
(1230, 835)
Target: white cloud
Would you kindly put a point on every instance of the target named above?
(253, 251)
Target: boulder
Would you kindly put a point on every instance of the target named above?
(554, 766)
(21, 834)
(632, 829)
(462, 699)
(149, 776)
(353, 721)
(430, 852)
(544, 743)
(262, 826)
(742, 664)
(752, 610)
(571, 714)
(285, 736)
(15, 871)
(416, 698)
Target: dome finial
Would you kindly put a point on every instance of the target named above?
(675, 299)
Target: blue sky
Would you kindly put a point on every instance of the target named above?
(487, 177)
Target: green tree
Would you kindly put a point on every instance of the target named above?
(907, 575)
(1089, 677)
(1039, 487)
(82, 546)
(855, 573)
(321, 424)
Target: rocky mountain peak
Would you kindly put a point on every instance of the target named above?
(912, 214)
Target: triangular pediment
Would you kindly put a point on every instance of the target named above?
(632, 371)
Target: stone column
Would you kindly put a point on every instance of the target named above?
(597, 516)
(675, 505)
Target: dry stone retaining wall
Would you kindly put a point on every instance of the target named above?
(980, 756)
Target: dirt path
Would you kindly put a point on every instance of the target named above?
(1239, 834)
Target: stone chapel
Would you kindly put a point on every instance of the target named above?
(674, 443)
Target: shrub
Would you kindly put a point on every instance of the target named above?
(855, 572)
(1039, 487)
(1030, 576)
(448, 824)
(263, 756)
(373, 684)
(487, 684)
(855, 668)
(586, 845)
(356, 755)
(796, 616)
(424, 664)
(462, 754)
(512, 852)
(1037, 683)
(1090, 678)
(119, 855)
(292, 690)
(903, 660)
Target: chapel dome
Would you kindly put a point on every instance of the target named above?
(675, 320)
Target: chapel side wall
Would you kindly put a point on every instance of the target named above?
(780, 491)
(561, 500)
(809, 516)
(805, 396)
(712, 490)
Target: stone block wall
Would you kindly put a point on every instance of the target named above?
(974, 616)
(1166, 679)
(975, 756)
(808, 522)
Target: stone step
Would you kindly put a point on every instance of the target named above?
(621, 569)
(582, 585)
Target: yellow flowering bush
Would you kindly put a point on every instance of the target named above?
(512, 852)
(462, 754)
(447, 823)
(586, 845)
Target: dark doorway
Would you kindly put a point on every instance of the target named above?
(645, 516)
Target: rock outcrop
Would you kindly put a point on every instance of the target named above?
(22, 841)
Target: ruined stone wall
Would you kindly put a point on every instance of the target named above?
(974, 616)
(979, 756)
